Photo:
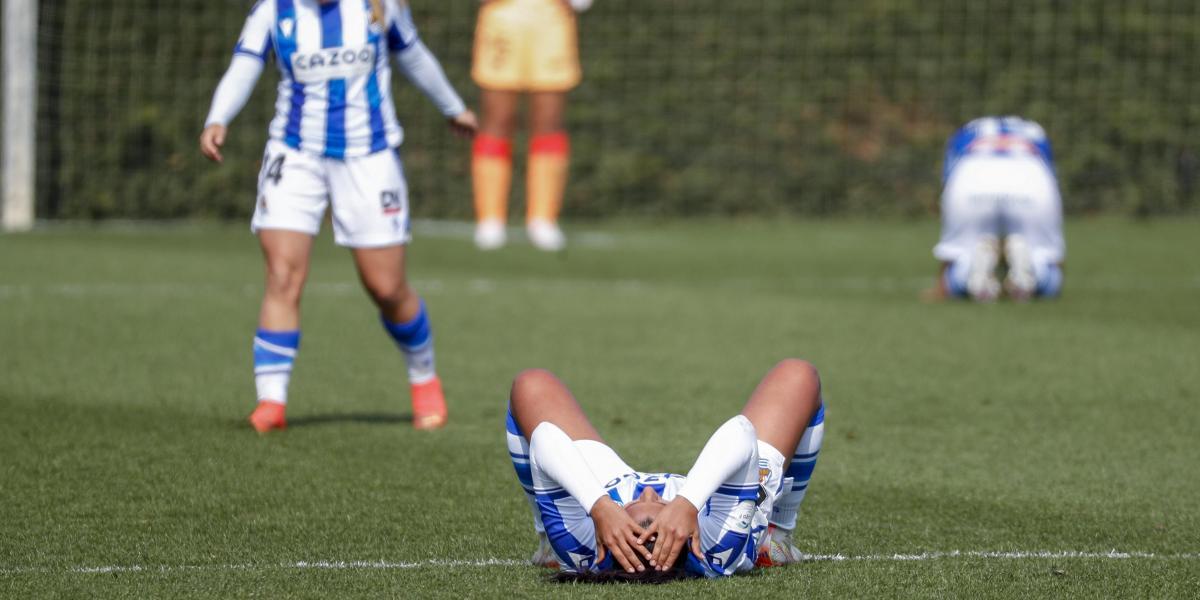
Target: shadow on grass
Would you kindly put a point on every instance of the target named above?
(335, 418)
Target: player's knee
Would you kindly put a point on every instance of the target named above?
(285, 282)
(531, 384)
(798, 373)
(389, 293)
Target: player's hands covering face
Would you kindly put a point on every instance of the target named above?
(675, 524)
(616, 532)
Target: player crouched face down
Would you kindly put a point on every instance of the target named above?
(598, 519)
(1000, 203)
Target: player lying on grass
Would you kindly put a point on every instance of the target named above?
(335, 138)
(1000, 184)
(598, 519)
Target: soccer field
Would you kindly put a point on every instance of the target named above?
(1006, 451)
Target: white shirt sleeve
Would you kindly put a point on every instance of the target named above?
(417, 63)
(423, 70)
(552, 451)
(724, 456)
(255, 39)
(234, 90)
(249, 56)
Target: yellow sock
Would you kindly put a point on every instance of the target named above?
(491, 176)
(547, 176)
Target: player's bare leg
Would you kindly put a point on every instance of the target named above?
(782, 409)
(538, 396)
(784, 403)
(491, 166)
(546, 181)
(382, 273)
(286, 255)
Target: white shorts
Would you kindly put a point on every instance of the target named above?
(369, 195)
(998, 196)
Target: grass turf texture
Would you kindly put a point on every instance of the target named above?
(1062, 426)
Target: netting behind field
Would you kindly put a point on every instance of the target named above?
(687, 106)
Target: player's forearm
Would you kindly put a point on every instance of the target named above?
(724, 455)
(422, 69)
(234, 90)
(553, 452)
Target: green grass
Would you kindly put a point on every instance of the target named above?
(1062, 426)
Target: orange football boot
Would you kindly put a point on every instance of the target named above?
(267, 416)
(429, 404)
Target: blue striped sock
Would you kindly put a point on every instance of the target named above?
(274, 354)
(1049, 283)
(955, 279)
(799, 471)
(415, 340)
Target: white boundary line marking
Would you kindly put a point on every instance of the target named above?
(382, 565)
(486, 286)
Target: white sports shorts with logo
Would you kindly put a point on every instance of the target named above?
(999, 196)
(368, 193)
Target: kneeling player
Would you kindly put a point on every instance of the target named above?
(599, 519)
(999, 184)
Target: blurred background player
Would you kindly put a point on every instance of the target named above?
(523, 46)
(735, 509)
(1000, 201)
(335, 138)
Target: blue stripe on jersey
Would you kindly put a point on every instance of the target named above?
(374, 98)
(733, 544)
(639, 488)
(286, 47)
(741, 493)
(554, 494)
(561, 540)
(395, 40)
(335, 117)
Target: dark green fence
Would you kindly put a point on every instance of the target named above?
(689, 107)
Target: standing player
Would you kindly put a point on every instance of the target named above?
(1000, 184)
(335, 138)
(523, 46)
(599, 519)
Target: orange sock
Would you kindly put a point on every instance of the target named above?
(547, 176)
(491, 176)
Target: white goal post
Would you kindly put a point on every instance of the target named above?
(19, 151)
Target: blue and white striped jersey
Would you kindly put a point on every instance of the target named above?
(731, 523)
(997, 136)
(335, 95)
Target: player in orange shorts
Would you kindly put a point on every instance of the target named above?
(530, 47)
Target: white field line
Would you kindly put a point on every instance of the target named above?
(487, 286)
(382, 565)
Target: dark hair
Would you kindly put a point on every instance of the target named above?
(650, 576)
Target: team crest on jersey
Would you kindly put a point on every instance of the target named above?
(287, 26)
